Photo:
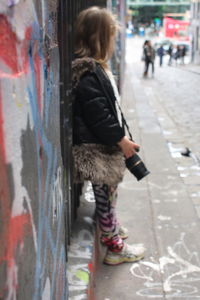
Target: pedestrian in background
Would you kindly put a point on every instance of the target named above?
(177, 55)
(143, 52)
(170, 53)
(100, 145)
(161, 53)
(183, 54)
(149, 57)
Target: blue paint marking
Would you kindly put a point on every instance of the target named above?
(47, 218)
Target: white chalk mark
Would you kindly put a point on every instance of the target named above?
(89, 194)
(47, 290)
(156, 201)
(164, 218)
(79, 297)
(140, 273)
(183, 175)
(171, 200)
(180, 270)
(57, 195)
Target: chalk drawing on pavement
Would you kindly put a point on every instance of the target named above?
(180, 271)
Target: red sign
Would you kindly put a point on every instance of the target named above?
(176, 29)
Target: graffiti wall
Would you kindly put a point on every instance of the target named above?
(32, 240)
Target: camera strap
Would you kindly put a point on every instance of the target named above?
(124, 121)
(111, 102)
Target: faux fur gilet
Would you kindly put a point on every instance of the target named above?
(98, 163)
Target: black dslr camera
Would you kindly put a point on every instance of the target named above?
(136, 166)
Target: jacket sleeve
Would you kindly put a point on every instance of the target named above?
(96, 111)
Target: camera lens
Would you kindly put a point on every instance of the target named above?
(136, 167)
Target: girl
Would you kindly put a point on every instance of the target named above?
(100, 144)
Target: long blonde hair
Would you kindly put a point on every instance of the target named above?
(95, 31)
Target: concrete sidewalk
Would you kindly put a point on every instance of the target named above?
(192, 68)
(162, 211)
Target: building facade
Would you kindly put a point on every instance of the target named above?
(195, 30)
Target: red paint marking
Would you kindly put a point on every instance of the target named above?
(37, 69)
(90, 267)
(13, 53)
(18, 227)
(13, 229)
(8, 41)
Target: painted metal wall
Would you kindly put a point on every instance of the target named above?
(32, 239)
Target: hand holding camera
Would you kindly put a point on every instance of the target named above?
(133, 161)
(128, 147)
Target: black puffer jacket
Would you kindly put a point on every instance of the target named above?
(94, 112)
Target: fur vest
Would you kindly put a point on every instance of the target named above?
(99, 164)
(97, 157)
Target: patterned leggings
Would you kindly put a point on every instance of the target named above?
(106, 197)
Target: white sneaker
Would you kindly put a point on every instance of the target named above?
(129, 253)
